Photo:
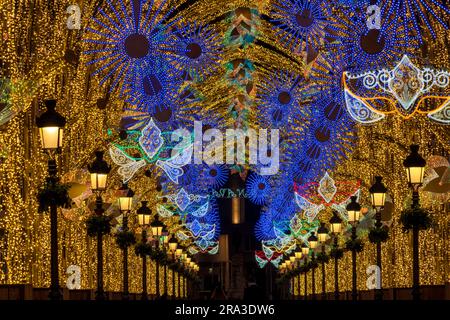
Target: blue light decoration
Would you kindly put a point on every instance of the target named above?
(353, 3)
(301, 24)
(416, 15)
(258, 188)
(154, 88)
(361, 47)
(279, 99)
(123, 42)
(214, 176)
(196, 50)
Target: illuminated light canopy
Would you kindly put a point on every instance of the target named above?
(417, 15)
(121, 43)
(279, 97)
(301, 24)
(196, 50)
(51, 126)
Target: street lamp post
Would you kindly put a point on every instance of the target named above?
(144, 214)
(51, 126)
(173, 244)
(322, 234)
(165, 239)
(157, 227)
(125, 204)
(305, 252)
(178, 254)
(298, 255)
(354, 214)
(336, 225)
(313, 242)
(415, 166)
(378, 198)
(98, 171)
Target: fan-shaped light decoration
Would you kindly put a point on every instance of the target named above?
(362, 47)
(417, 15)
(279, 99)
(405, 90)
(301, 24)
(153, 90)
(122, 42)
(214, 176)
(258, 188)
(196, 50)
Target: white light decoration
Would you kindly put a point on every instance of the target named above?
(200, 212)
(406, 87)
(183, 199)
(327, 188)
(128, 166)
(151, 139)
(164, 212)
(310, 210)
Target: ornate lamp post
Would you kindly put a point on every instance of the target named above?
(354, 214)
(173, 244)
(298, 256)
(313, 242)
(292, 259)
(378, 198)
(322, 234)
(51, 126)
(415, 167)
(336, 226)
(305, 252)
(144, 214)
(99, 170)
(165, 239)
(157, 227)
(125, 204)
(178, 254)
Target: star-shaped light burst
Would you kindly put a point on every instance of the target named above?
(301, 24)
(121, 42)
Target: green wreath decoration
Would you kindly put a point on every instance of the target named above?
(336, 253)
(322, 257)
(355, 245)
(96, 224)
(53, 193)
(142, 249)
(378, 234)
(124, 239)
(415, 217)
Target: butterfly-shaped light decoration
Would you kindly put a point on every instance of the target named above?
(201, 211)
(214, 249)
(260, 261)
(127, 166)
(327, 188)
(183, 235)
(164, 212)
(405, 90)
(276, 262)
(151, 139)
(310, 210)
(173, 172)
(192, 250)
